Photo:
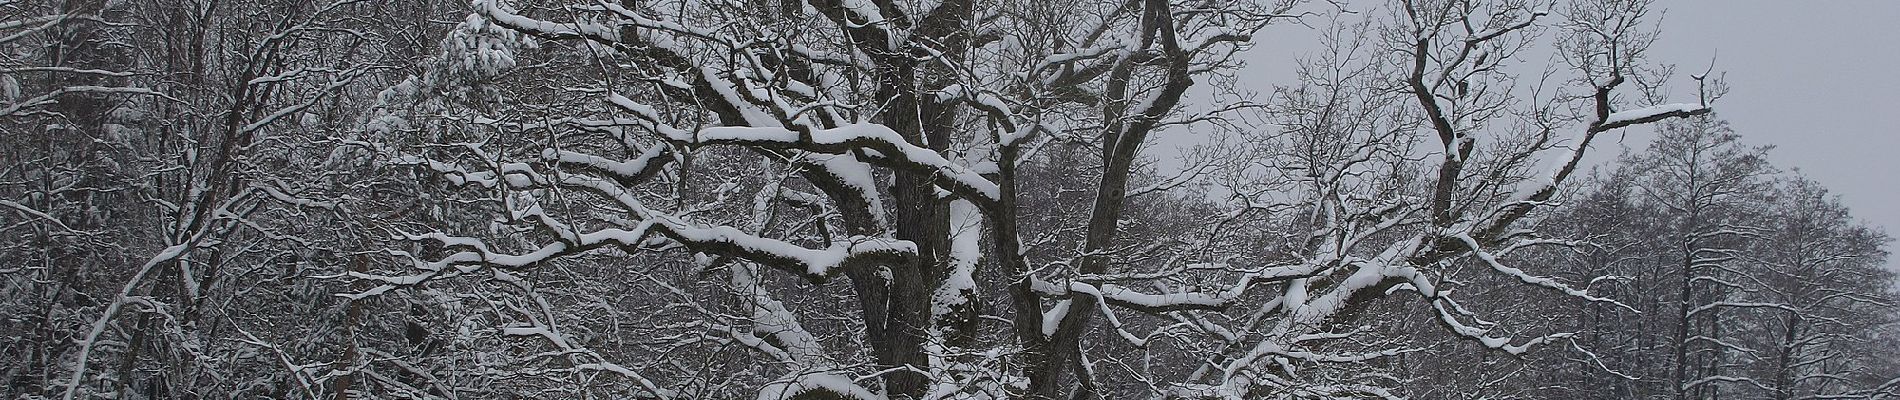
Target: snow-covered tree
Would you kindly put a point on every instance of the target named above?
(165, 198)
(899, 199)
(1827, 273)
(785, 146)
(1709, 183)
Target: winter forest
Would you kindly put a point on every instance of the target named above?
(906, 199)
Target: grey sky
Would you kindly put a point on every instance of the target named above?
(1818, 79)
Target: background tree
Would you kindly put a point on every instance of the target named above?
(165, 187)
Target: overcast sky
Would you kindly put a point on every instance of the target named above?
(1818, 79)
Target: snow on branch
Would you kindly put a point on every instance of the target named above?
(891, 149)
(99, 326)
(1124, 297)
(23, 209)
(1539, 281)
(1692, 385)
(495, 12)
(20, 107)
(568, 348)
(816, 265)
(1163, 302)
(31, 25)
(796, 386)
(1447, 318)
(630, 172)
(1647, 115)
(1738, 304)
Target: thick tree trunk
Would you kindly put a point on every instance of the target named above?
(923, 218)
